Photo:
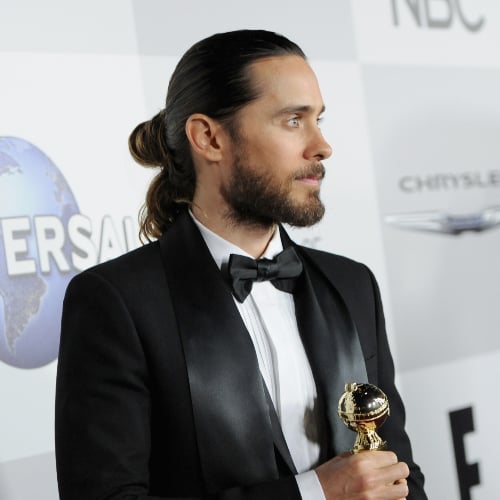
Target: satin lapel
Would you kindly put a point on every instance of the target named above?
(279, 438)
(230, 410)
(332, 344)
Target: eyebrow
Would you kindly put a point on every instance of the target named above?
(299, 109)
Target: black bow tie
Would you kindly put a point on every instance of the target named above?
(281, 271)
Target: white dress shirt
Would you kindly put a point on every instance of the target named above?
(269, 316)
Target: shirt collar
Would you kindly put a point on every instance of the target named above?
(220, 249)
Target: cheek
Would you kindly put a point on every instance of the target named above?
(287, 150)
(276, 155)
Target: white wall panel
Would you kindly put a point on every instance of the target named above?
(411, 89)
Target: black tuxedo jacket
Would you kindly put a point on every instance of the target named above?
(159, 393)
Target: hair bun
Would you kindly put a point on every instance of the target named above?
(147, 142)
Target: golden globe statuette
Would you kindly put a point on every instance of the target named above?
(364, 408)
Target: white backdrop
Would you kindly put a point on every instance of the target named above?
(411, 90)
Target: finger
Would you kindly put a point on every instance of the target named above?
(395, 474)
(378, 459)
(399, 490)
(386, 458)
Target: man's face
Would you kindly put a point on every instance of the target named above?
(276, 168)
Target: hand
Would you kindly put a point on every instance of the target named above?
(368, 475)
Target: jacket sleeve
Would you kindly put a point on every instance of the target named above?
(393, 431)
(104, 406)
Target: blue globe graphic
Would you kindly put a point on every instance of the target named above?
(30, 302)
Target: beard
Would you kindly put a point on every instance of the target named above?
(262, 200)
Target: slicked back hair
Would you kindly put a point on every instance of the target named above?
(211, 78)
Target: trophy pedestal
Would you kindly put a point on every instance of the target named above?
(368, 440)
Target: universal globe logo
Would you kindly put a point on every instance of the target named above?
(44, 242)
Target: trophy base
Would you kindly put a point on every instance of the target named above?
(368, 440)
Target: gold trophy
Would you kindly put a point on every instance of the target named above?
(364, 408)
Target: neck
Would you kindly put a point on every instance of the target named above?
(251, 238)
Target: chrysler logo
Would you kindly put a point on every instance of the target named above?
(445, 223)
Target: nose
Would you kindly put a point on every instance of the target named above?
(318, 148)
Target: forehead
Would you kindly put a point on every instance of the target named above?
(285, 81)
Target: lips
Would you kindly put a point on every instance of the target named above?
(312, 175)
(310, 181)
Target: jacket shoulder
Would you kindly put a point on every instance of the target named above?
(137, 266)
(333, 262)
(353, 279)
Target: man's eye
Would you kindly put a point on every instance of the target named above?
(294, 122)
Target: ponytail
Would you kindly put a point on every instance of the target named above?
(173, 184)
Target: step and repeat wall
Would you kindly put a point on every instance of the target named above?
(413, 190)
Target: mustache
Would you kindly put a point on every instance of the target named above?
(314, 170)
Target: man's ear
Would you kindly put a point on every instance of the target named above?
(206, 136)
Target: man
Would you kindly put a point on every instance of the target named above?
(187, 368)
